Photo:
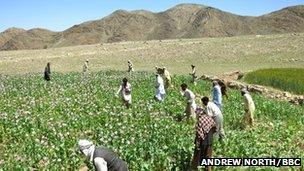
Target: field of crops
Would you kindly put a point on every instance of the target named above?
(41, 123)
(287, 79)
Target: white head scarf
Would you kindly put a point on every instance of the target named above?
(87, 148)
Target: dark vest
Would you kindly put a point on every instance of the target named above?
(113, 162)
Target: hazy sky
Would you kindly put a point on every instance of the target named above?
(58, 15)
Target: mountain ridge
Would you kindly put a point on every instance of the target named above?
(180, 21)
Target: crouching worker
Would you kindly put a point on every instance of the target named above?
(249, 108)
(203, 140)
(190, 97)
(103, 158)
(125, 92)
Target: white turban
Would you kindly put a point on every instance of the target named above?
(84, 144)
(87, 148)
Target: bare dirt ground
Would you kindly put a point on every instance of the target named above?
(212, 56)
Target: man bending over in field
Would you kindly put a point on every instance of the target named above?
(203, 140)
(125, 92)
(190, 97)
(167, 78)
(249, 108)
(213, 111)
(103, 158)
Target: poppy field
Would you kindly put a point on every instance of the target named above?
(40, 123)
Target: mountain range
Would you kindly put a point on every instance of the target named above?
(181, 21)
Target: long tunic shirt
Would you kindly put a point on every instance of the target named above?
(248, 103)
(47, 73)
(160, 88)
(213, 111)
(125, 92)
(85, 67)
(190, 97)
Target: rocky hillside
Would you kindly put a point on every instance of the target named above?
(181, 21)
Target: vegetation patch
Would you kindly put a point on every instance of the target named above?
(41, 123)
(287, 79)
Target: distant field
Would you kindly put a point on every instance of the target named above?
(287, 79)
(212, 56)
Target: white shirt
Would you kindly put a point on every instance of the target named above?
(160, 85)
(189, 96)
(212, 109)
(125, 92)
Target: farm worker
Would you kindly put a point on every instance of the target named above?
(85, 69)
(213, 111)
(190, 97)
(193, 74)
(205, 128)
(47, 72)
(223, 88)
(217, 94)
(167, 78)
(125, 92)
(249, 107)
(160, 89)
(130, 67)
(103, 158)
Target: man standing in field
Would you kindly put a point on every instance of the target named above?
(217, 94)
(190, 97)
(160, 89)
(203, 140)
(47, 72)
(213, 111)
(85, 70)
(193, 74)
(103, 158)
(249, 108)
(125, 92)
(130, 67)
